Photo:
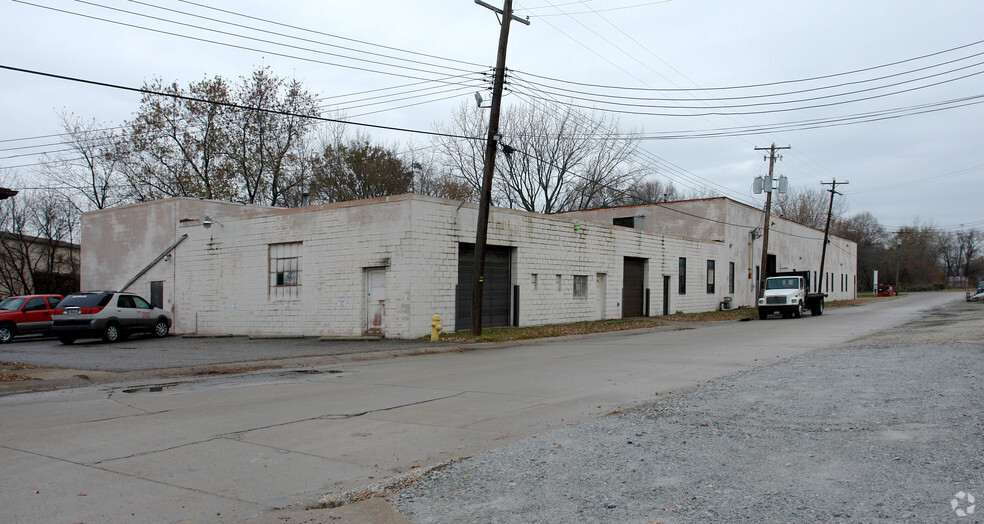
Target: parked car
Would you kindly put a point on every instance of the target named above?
(24, 315)
(109, 315)
(885, 290)
(977, 297)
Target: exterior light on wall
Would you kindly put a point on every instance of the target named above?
(208, 221)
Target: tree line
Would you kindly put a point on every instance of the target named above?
(263, 139)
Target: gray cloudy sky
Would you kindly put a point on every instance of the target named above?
(924, 163)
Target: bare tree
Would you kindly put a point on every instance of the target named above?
(90, 167)
(176, 143)
(864, 229)
(553, 159)
(266, 131)
(969, 242)
(949, 252)
(650, 190)
(807, 206)
(37, 255)
(430, 179)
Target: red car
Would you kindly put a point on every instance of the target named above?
(25, 315)
(885, 290)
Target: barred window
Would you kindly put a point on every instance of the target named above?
(285, 271)
(580, 286)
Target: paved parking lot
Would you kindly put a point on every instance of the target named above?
(145, 353)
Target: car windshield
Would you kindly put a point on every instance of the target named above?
(86, 300)
(781, 283)
(12, 303)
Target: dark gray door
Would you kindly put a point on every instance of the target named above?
(633, 287)
(157, 293)
(495, 289)
(666, 294)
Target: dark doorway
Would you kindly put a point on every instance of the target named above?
(666, 294)
(157, 293)
(495, 290)
(633, 287)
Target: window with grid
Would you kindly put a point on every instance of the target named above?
(285, 271)
(710, 277)
(580, 286)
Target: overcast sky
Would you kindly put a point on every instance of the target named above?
(924, 164)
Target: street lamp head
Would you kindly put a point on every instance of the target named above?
(207, 222)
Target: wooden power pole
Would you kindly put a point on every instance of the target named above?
(826, 230)
(481, 235)
(767, 187)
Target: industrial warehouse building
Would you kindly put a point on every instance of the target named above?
(387, 265)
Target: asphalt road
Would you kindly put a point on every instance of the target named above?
(146, 352)
(225, 449)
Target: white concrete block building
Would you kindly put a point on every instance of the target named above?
(388, 265)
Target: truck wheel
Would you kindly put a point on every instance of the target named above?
(817, 309)
(799, 311)
(7, 333)
(763, 314)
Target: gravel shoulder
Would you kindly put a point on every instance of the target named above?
(888, 427)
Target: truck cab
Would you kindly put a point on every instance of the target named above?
(789, 293)
(785, 294)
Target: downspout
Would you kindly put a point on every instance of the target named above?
(156, 260)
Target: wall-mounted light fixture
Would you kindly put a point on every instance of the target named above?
(208, 221)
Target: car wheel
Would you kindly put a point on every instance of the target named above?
(7, 333)
(68, 341)
(160, 328)
(111, 333)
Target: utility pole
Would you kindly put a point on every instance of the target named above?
(767, 187)
(826, 230)
(481, 235)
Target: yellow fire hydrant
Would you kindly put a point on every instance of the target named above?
(436, 327)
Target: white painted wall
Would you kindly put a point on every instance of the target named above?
(217, 280)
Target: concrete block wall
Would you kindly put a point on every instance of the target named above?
(218, 279)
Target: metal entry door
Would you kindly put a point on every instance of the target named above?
(495, 289)
(633, 287)
(375, 300)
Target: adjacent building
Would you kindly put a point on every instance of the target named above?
(387, 265)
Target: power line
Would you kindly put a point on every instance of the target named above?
(752, 86)
(230, 104)
(237, 46)
(718, 111)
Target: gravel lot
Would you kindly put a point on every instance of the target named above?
(889, 428)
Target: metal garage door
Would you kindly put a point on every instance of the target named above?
(495, 291)
(633, 287)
